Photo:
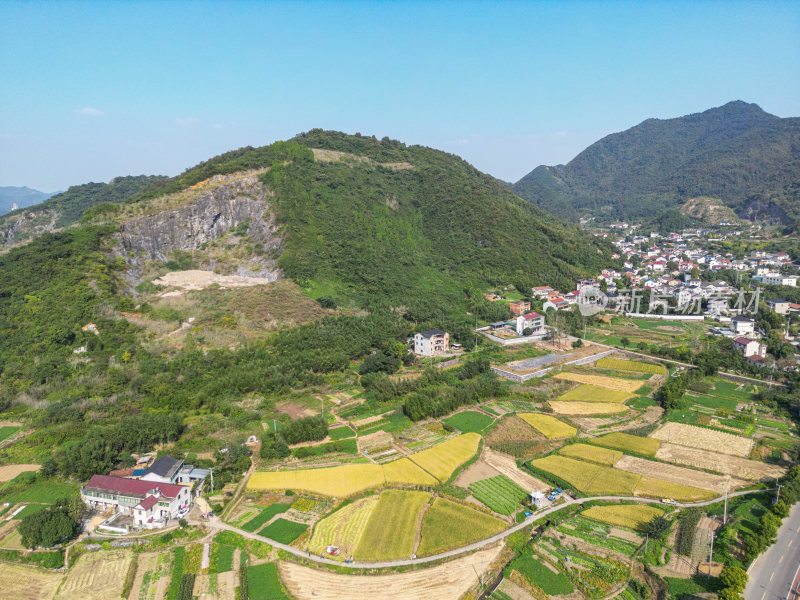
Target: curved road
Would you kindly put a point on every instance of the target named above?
(217, 523)
(774, 574)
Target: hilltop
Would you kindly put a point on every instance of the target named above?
(19, 196)
(741, 156)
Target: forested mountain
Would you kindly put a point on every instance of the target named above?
(66, 208)
(737, 153)
(22, 197)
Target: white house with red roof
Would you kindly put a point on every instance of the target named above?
(150, 503)
(749, 347)
(533, 321)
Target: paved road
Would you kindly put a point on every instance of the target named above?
(219, 524)
(773, 575)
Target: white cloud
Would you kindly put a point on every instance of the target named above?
(184, 121)
(90, 111)
(559, 134)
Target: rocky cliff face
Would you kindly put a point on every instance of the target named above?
(17, 228)
(225, 204)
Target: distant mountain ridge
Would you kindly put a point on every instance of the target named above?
(737, 153)
(14, 197)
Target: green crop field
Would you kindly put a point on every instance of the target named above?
(498, 493)
(45, 491)
(225, 558)
(283, 531)
(340, 433)
(264, 516)
(29, 510)
(601, 456)
(631, 365)
(628, 443)
(532, 569)
(7, 431)
(469, 421)
(447, 525)
(264, 583)
(392, 527)
(343, 528)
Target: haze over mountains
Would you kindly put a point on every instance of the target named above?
(737, 153)
(14, 197)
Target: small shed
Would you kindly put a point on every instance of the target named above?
(537, 498)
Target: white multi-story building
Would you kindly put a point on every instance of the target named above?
(779, 279)
(429, 343)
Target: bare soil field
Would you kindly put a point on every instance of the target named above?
(374, 440)
(478, 470)
(611, 383)
(294, 410)
(27, 583)
(96, 575)
(506, 465)
(197, 280)
(10, 424)
(448, 581)
(679, 475)
(8, 472)
(704, 439)
(587, 408)
(743, 468)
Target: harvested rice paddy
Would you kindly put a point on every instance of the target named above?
(611, 383)
(343, 528)
(704, 439)
(587, 408)
(628, 443)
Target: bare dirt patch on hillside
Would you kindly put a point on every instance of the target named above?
(704, 439)
(448, 581)
(679, 475)
(506, 465)
(294, 410)
(478, 470)
(195, 279)
(323, 155)
(743, 468)
(513, 429)
(8, 472)
(27, 583)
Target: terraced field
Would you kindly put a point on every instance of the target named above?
(632, 516)
(498, 493)
(628, 443)
(447, 525)
(548, 426)
(704, 439)
(594, 393)
(586, 477)
(612, 383)
(392, 527)
(601, 456)
(680, 475)
(631, 365)
(587, 408)
(743, 468)
(343, 528)
(442, 460)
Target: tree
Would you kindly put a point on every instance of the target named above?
(625, 342)
(52, 525)
(379, 362)
(734, 578)
(527, 331)
(657, 526)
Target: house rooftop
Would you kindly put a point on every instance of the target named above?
(166, 466)
(135, 487)
(742, 340)
(432, 332)
(148, 502)
(532, 315)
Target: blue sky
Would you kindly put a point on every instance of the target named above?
(93, 90)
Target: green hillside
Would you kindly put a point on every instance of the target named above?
(738, 153)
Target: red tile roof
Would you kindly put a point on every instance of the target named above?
(742, 340)
(132, 486)
(147, 502)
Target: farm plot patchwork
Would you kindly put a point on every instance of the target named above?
(264, 516)
(392, 527)
(552, 583)
(705, 439)
(440, 461)
(632, 516)
(594, 393)
(601, 535)
(506, 465)
(628, 443)
(96, 575)
(447, 525)
(264, 583)
(743, 468)
(344, 527)
(498, 493)
(631, 365)
(587, 408)
(679, 475)
(601, 456)
(611, 383)
(548, 426)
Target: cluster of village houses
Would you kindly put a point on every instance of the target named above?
(145, 497)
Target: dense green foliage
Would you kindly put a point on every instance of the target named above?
(307, 429)
(736, 152)
(55, 524)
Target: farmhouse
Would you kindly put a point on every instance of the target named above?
(749, 347)
(429, 343)
(541, 291)
(740, 325)
(533, 321)
(779, 306)
(172, 470)
(150, 504)
(520, 307)
(779, 279)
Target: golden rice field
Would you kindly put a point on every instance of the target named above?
(705, 439)
(588, 477)
(346, 480)
(28, 583)
(587, 408)
(601, 456)
(447, 525)
(392, 528)
(442, 460)
(594, 393)
(343, 528)
(628, 443)
(632, 516)
(96, 576)
(620, 364)
(548, 426)
(651, 487)
(612, 383)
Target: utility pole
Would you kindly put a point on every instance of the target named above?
(710, 554)
(646, 540)
(725, 513)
